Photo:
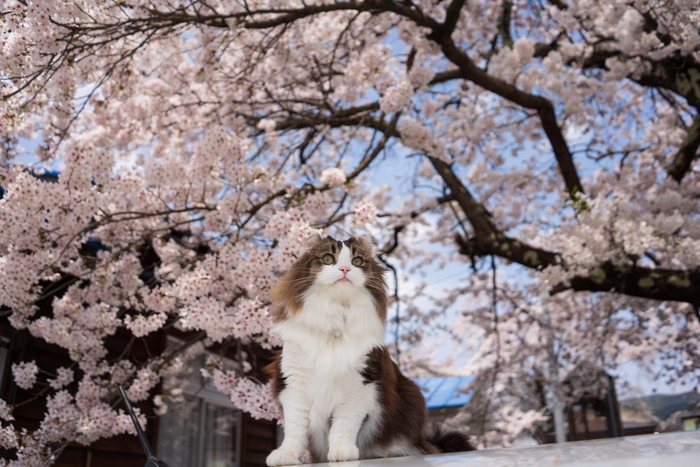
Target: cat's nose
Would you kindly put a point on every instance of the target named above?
(345, 269)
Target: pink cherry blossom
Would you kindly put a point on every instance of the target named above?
(333, 177)
(65, 377)
(25, 374)
(528, 169)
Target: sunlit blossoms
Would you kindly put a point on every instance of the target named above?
(396, 97)
(528, 169)
(365, 212)
(333, 177)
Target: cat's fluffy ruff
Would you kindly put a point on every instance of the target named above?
(338, 387)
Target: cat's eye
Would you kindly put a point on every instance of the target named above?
(328, 258)
(357, 261)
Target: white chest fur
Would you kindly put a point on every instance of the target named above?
(336, 326)
(324, 352)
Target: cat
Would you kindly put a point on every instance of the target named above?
(341, 394)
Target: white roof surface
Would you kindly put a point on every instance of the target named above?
(664, 450)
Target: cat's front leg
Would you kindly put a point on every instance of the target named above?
(347, 421)
(296, 406)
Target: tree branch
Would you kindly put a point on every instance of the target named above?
(504, 24)
(683, 159)
(657, 284)
(543, 106)
(452, 15)
(488, 239)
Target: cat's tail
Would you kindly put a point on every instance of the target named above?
(450, 441)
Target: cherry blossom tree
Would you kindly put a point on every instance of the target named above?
(549, 148)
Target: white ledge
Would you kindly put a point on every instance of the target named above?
(663, 450)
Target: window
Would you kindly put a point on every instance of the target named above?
(198, 432)
(203, 430)
(691, 423)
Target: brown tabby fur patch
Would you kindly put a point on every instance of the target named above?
(403, 405)
(274, 371)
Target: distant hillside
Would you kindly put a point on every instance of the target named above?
(663, 405)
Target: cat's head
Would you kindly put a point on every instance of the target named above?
(346, 265)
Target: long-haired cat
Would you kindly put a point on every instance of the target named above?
(340, 391)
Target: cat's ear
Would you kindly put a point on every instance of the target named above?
(314, 239)
(368, 241)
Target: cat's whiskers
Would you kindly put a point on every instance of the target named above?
(300, 280)
(375, 283)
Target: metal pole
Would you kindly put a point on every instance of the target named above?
(152, 460)
(555, 389)
(559, 432)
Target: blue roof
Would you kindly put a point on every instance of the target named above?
(445, 391)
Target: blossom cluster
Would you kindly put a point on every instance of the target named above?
(333, 177)
(396, 97)
(143, 325)
(24, 374)
(64, 377)
(195, 162)
(5, 412)
(140, 387)
(365, 212)
(248, 396)
(317, 204)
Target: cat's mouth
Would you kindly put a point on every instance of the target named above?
(343, 279)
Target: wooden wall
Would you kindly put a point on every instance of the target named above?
(258, 439)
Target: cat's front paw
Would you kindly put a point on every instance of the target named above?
(282, 456)
(343, 452)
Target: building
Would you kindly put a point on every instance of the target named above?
(589, 414)
(205, 426)
(593, 410)
(444, 395)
